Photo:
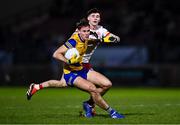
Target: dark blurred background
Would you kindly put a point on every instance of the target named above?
(148, 54)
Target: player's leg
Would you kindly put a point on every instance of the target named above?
(78, 79)
(54, 83)
(93, 91)
(102, 82)
(90, 102)
(33, 88)
(74, 79)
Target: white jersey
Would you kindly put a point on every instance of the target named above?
(95, 36)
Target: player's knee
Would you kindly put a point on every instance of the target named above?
(92, 88)
(95, 94)
(107, 85)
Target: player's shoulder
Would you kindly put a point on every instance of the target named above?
(72, 41)
(101, 29)
(74, 36)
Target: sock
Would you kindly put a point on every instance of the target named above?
(38, 86)
(91, 102)
(109, 110)
(41, 86)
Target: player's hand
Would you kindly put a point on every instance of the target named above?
(111, 38)
(74, 59)
(117, 39)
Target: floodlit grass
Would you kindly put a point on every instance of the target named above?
(62, 106)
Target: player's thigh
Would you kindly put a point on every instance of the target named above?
(84, 85)
(98, 79)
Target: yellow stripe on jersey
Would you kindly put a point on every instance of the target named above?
(109, 38)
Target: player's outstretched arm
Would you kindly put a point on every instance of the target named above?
(111, 38)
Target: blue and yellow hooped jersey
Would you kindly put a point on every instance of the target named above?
(75, 41)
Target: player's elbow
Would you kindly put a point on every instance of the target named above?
(55, 55)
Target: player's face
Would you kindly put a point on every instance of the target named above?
(84, 32)
(94, 19)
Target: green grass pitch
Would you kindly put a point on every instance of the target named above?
(62, 106)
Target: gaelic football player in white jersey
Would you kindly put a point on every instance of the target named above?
(98, 34)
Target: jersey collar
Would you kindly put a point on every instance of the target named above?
(81, 38)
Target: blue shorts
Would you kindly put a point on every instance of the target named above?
(69, 78)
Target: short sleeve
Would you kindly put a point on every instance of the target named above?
(71, 43)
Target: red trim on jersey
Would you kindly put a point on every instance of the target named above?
(87, 65)
(107, 34)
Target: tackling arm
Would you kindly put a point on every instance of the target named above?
(111, 38)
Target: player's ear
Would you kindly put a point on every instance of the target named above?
(78, 30)
(88, 18)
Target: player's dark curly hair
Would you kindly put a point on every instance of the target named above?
(93, 10)
(81, 23)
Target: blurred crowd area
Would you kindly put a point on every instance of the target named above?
(31, 36)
